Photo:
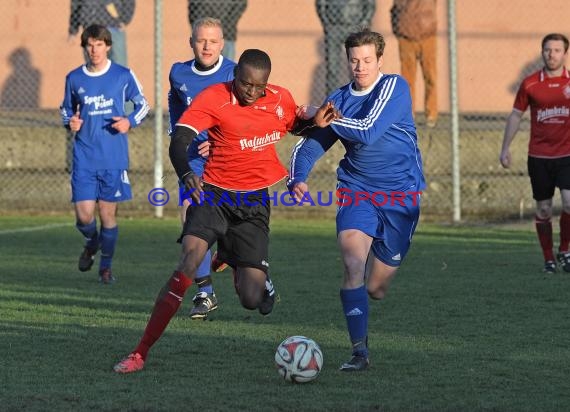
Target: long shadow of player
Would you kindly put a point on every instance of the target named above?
(526, 70)
(21, 88)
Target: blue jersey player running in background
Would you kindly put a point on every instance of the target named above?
(187, 79)
(379, 181)
(94, 109)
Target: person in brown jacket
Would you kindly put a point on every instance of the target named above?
(414, 24)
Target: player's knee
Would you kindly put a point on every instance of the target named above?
(248, 300)
(377, 293)
(544, 212)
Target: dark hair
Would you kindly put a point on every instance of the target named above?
(556, 36)
(255, 58)
(363, 37)
(97, 32)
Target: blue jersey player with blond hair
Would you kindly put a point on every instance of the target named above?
(380, 180)
(187, 79)
(94, 109)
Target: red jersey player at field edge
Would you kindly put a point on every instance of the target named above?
(244, 119)
(547, 92)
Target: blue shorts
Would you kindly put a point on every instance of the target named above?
(389, 217)
(110, 185)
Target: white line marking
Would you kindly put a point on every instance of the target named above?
(34, 228)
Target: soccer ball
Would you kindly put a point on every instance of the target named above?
(298, 359)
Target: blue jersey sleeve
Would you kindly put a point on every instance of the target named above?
(392, 103)
(176, 105)
(69, 105)
(134, 94)
(306, 153)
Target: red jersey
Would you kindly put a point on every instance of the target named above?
(549, 101)
(242, 152)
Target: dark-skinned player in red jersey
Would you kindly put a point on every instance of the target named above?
(231, 203)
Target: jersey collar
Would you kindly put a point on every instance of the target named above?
(365, 91)
(99, 73)
(543, 75)
(214, 69)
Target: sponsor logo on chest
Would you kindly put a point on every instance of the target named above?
(260, 142)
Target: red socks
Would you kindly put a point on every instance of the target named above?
(165, 307)
(544, 231)
(564, 232)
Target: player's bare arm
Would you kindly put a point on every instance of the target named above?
(511, 129)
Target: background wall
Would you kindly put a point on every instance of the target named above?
(496, 39)
(498, 43)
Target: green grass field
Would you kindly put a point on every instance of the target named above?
(470, 324)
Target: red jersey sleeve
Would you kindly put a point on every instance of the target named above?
(521, 99)
(290, 108)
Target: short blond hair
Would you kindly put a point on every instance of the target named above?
(207, 22)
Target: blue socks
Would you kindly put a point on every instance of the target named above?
(355, 308)
(108, 239)
(203, 279)
(89, 232)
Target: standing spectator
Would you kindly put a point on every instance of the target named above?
(93, 108)
(379, 181)
(547, 92)
(245, 118)
(187, 79)
(228, 11)
(339, 18)
(113, 14)
(414, 24)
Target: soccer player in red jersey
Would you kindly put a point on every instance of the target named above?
(547, 92)
(231, 203)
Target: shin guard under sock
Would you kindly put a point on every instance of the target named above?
(355, 307)
(564, 232)
(165, 307)
(89, 232)
(544, 232)
(108, 240)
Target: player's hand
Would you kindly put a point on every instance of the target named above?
(193, 184)
(298, 191)
(75, 122)
(326, 114)
(505, 159)
(121, 124)
(204, 149)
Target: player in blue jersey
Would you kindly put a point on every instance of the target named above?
(187, 79)
(379, 181)
(93, 108)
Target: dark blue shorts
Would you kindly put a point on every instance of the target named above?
(390, 218)
(110, 185)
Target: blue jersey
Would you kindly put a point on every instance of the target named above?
(99, 97)
(378, 133)
(186, 81)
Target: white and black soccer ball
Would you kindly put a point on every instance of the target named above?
(299, 359)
